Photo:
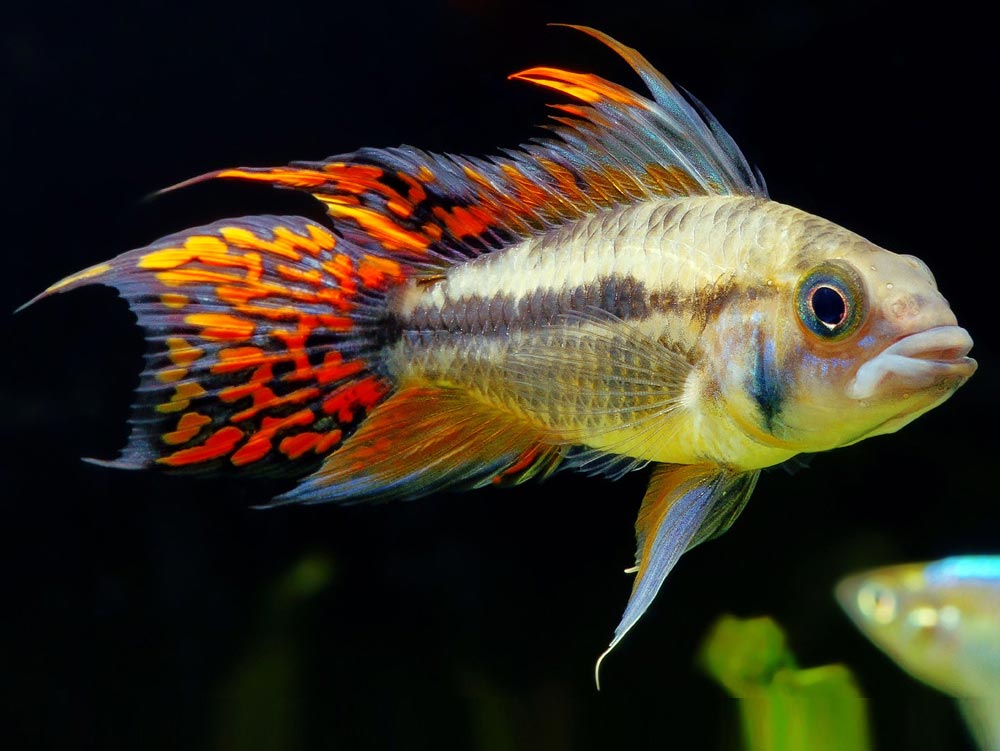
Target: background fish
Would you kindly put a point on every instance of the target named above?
(621, 293)
(940, 622)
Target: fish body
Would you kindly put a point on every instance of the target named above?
(618, 294)
(940, 622)
(699, 277)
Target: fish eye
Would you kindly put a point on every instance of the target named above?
(877, 603)
(828, 305)
(831, 301)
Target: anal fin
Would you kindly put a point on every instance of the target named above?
(422, 440)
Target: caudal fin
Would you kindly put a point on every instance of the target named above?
(263, 337)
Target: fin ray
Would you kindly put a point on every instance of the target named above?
(422, 440)
(700, 125)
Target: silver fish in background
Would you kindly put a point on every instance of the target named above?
(620, 293)
(940, 622)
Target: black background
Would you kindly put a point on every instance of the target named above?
(143, 611)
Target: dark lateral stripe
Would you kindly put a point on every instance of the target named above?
(624, 297)
(707, 303)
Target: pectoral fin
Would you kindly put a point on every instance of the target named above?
(684, 505)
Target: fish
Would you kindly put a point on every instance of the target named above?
(940, 622)
(616, 294)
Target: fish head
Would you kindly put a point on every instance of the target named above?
(893, 608)
(943, 634)
(864, 342)
(919, 353)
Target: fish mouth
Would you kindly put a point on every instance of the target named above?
(918, 361)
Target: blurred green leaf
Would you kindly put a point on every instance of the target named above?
(783, 707)
(260, 705)
(310, 575)
(260, 701)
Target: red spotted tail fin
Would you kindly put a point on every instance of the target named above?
(264, 337)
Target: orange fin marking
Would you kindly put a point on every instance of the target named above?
(539, 459)
(523, 462)
(379, 226)
(170, 375)
(174, 300)
(464, 222)
(416, 193)
(281, 246)
(334, 368)
(583, 86)
(86, 276)
(345, 402)
(291, 240)
(188, 426)
(259, 444)
(312, 277)
(294, 446)
(181, 398)
(264, 398)
(376, 272)
(181, 352)
(218, 445)
(221, 326)
(290, 177)
(239, 358)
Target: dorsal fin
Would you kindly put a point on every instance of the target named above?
(696, 127)
(611, 147)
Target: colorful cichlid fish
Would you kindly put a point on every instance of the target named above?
(941, 623)
(620, 293)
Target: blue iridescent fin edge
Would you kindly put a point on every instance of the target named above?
(965, 568)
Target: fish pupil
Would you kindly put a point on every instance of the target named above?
(829, 306)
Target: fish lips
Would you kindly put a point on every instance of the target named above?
(918, 361)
